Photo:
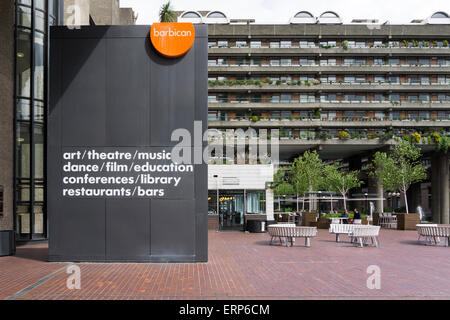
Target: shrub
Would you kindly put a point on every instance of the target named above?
(436, 137)
(416, 138)
(255, 119)
(343, 135)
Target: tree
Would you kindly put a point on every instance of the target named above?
(309, 168)
(299, 184)
(341, 181)
(166, 13)
(281, 185)
(400, 169)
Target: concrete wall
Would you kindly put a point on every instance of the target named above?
(76, 12)
(102, 12)
(7, 109)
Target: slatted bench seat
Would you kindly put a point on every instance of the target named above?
(433, 232)
(362, 234)
(339, 229)
(289, 232)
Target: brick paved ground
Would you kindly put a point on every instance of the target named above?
(244, 266)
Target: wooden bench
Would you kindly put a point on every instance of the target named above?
(433, 232)
(289, 232)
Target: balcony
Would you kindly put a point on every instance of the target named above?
(337, 122)
(333, 51)
(331, 87)
(331, 69)
(268, 104)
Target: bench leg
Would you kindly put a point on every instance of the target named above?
(337, 237)
(307, 242)
(447, 242)
(361, 244)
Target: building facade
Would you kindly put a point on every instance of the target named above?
(345, 90)
(24, 28)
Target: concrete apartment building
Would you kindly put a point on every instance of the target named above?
(344, 90)
(23, 100)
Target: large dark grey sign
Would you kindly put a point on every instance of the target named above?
(113, 191)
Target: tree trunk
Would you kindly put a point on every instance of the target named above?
(345, 201)
(406, 201)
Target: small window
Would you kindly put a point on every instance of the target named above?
(191, 15)
(285, 44)
(274, 63)
(274, 44)
(255, 44)
(222, 44)
(241, 44)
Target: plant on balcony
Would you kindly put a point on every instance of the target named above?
(316, 114)
(416, 138)
(269, 81)
(436, 137)
(317, 82)
(435, 43)
(345, 44)
(255, 118)
(278, 82)
(299, 82)
(388, 135)
(400, 169)
(322, 136)
(307, 83)
(343, 135)
(445, 43)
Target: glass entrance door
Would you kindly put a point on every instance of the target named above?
(231, 210)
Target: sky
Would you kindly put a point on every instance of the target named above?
(280, 11)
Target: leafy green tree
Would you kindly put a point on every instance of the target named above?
(166, 13)
(309, 168)
(341, 181)
(400, 169)
(281, 185)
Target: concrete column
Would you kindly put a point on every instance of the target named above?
(444, 189)
(440, 189)
(7, 110)
(435, 189)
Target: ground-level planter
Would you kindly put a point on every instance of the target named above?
(407, 221)
(323, 223)
(376, 219)
(7, 243)
(309, 219)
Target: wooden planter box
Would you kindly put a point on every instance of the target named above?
(376, 218)
(308, 219)
(407, 221)
(323, 223)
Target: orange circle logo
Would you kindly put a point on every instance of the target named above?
(172, 40)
